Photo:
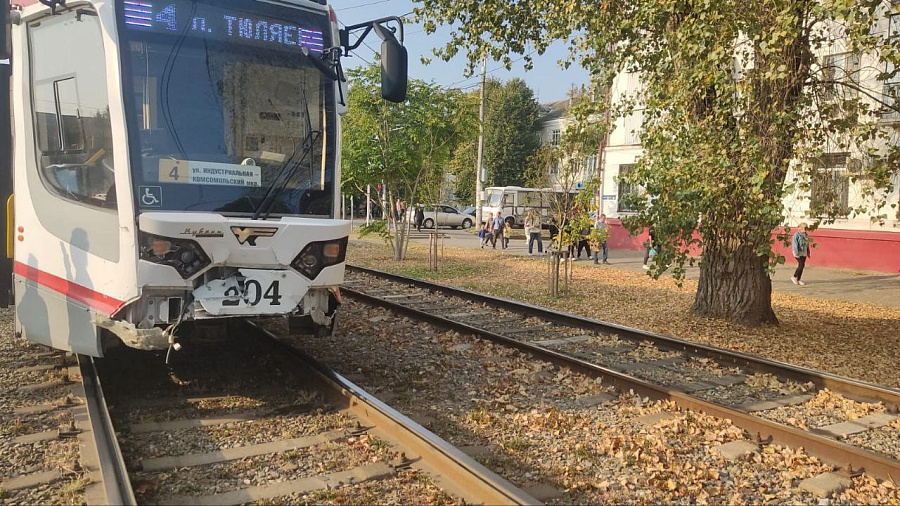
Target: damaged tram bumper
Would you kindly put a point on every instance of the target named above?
(231, 268)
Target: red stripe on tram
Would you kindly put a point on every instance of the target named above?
(95, 300)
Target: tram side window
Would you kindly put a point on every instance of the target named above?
(71, 109)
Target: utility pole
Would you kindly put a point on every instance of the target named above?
(479, 168)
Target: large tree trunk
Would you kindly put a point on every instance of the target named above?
(735, 287)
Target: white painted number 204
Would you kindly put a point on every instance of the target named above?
(254, 293)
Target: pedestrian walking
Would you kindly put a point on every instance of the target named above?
(533, 232)
(401, 210)
(497, 230)
(553, 228)
(507, 233)
(603, 229)
(420, 217)
(800, 249)
(584, 242)
(568, 227)
(652, 247)
(485, 231)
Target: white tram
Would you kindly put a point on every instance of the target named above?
(175, 161)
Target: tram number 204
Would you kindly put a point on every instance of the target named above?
(254, 293)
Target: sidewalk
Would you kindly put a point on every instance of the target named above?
(821, 282)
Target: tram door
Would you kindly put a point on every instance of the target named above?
(71, 269)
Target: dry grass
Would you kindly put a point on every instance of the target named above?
(850, 339)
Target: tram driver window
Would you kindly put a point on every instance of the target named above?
(71, 109)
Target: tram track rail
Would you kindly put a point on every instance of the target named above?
(361, 415)
(99, 466)
(470, 480)
(115, 483)
(422, 305)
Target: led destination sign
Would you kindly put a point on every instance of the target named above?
(195, 19)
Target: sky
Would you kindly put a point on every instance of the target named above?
(549, 81)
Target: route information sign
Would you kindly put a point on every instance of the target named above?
(208, 173)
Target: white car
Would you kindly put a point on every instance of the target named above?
(446, 216)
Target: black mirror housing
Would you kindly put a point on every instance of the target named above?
(5, 29)
(394, 68)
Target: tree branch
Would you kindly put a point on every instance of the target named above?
(864, 91)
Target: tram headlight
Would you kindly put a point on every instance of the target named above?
(315, 256)
(184, 255)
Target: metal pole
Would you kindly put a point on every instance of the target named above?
(433, 246)
(479, 167)
(352, 210)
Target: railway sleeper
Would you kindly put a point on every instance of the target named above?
(369, 472)
(228, 454)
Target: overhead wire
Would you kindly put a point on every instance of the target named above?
(364, 5)
(499, 67)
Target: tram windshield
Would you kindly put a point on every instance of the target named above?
(223, 103)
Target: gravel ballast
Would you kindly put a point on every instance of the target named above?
(526, 418)
(849, 339)
(58, 455)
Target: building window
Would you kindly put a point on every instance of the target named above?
(633, 82)
(554, 137)
(894, 23)
(829, 191)
(892, 81)
(840, 68)
(627, 191)
(892, 100)
(634, 127)
(589, 169)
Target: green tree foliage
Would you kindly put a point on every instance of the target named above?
(511, 131)
(463, 167)
(741, 103)
(511, 137)
(405, 147)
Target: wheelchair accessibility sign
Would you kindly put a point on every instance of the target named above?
(150, 196)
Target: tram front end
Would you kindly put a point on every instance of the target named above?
(201, 267)
(177, 163)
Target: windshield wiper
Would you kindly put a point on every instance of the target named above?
(287, 171)
(286, 174)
